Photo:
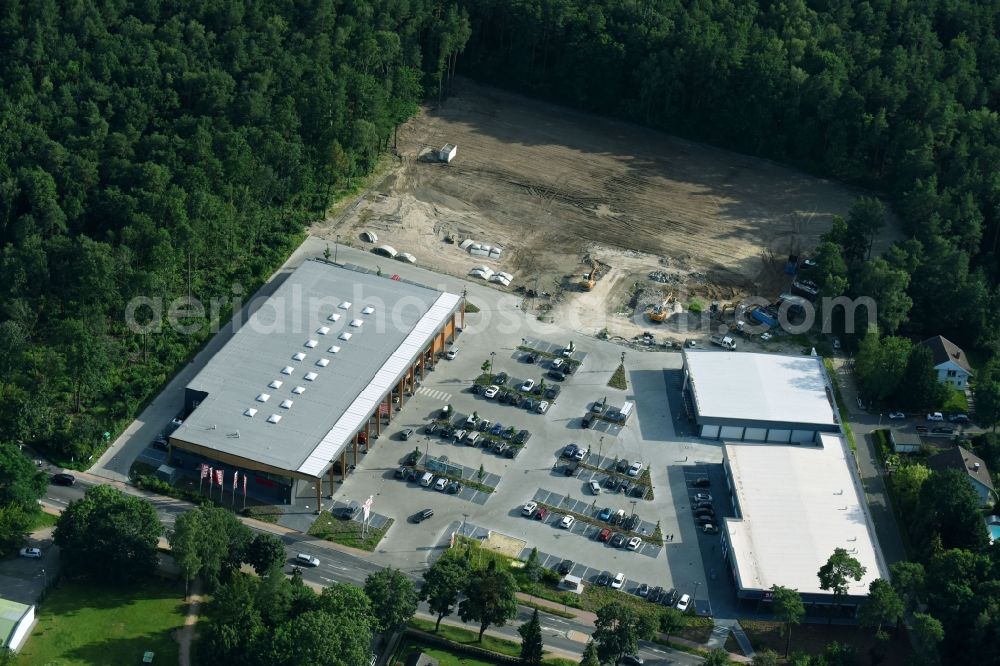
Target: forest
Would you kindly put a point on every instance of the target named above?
(899, 96)
(170, 149)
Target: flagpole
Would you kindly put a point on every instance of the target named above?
(201, 476)
(244, 491)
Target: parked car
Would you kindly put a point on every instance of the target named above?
(511, 451)
(642, 590)
(529, 404)
(528, 385)
(500, 379)
(522, 437)
(567, 522)
(556, 363)
(515, 399)
(632, 660)
(669, 597)
(709, 528)
(624, 486)
(63, 479)
(531, 358)
(541, 513)
(634, 543)
(604, 534)
(491, 392)
(704, 520)
(569, 450)
(701, 483)
(618, 581)
(935, 416)
(529, 509)
(348, 512)
(476, 389)
(622, 465)
(580, 453)
(617, 540)
(897, 415)
(556, 375)
(618, 518)
(703, 505)
(943, 431)
(605, 514)
(603, 578)
(922, 430)
(684, 602)
(460, 434)
(565, 567)
(30, 552)
(454, 488)
(431, 428)
(595, 487)
(569, 469)
(635, 468)
(542, 407)
(441, 484)
(402, 472)
(161, 443)
(655, 595)
(702, 497)
(307, 560)
(597, 407)
(406, 434)
(421, 516)
(958, 418)
(446, 411)
(704, 512)
(552, 392)
(484, 425)
(451, 354)
(631, 523)
(587, 419)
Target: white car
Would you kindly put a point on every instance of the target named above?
(702, 497)
(635, 468)
(30, 552)
(528, 385)
(491, 391)
(567, 522)
(542, 407)
(897, 415)
(556, 363)
(618, 581)
(684, 602)
(634, 543)
(935, 416)
(451, 354)
(765, 337)
(307, 560)
(529, 509)
(441, 484)
(595, 487)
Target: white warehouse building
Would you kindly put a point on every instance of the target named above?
(759, 397)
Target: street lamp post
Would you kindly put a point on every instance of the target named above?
(600, 450)
(694, 599)
(336, 247)
(492, 356)
(633, 506)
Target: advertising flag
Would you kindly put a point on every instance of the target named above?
(244, 485)
(236, 478)
(218, 476)
(204, 471)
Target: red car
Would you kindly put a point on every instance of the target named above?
(604, 534)
(541, 513)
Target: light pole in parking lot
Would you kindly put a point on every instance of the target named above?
(600, 449)
(492, 356)
(633, 506)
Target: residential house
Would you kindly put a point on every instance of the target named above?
(975, 469)
(950, 362)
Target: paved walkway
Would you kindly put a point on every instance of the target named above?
(186, 634)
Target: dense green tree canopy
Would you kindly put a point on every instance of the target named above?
(109, 535)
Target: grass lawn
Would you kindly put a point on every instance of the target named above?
(86, 623)
(410, 646)
(42, 520)
(347, 532)
(811, 639)
(617, 380)
(468, 637)
(955, 403)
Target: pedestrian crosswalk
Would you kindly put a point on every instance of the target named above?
(434, 393)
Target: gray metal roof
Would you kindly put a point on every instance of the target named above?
(328, 384)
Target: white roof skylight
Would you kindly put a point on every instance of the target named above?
(356, 323)
(249, 411)
(263, 397)
(299, 390)
(274, 418)
(344, 336)
(275, 383)
(286, 404)
(344, 305)
(334, 317)
(299, 356)
(323, 362)
(287, 370)
(323, 330)
(334, 349)
(368, 310)
(310, 376)
(311, 343)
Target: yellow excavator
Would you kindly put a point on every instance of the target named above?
(590, 279)
(658, 313)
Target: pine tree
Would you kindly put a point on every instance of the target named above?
(531, 640)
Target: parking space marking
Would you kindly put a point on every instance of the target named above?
(434, 393)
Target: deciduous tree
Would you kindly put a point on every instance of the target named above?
(837, 573)
(490, 598)
(618, 630)
(393, 597)
(788, 607)
(443, 582)
(883, 605)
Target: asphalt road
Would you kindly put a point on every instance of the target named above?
(339, 567)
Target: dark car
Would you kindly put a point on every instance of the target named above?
(347, 512)
(705, 520)
(704, 512)
(476, 389)
(556, 375)
(923, 429)
(406, 434)
(511, 451)
(958, 418)
(522, 437)
(624, 486)
(632, 660)
(638, 491)
(670, 597)
(421, 516)
(531, 358)
(569, 368)
(569, 450)
(655, 595)
(569, 469)
(402, 472)
(588, 419)
(604, 578)
(516, 399)
(565, 567)
(502, 396)
(161, 443)
(63, 479)
(508, 433)
(701, 483)
(529, 404)
(431, 428)
(631, 523)
(413, 475)
(943, 431)
(617, 540)
(702, 505)
(501, 447)
(446, 431)
(454, 488)
(622, 466)
(611, 482)
(552, 392)
(500, 379)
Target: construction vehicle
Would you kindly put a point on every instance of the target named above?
(659, 313)
(723, 341)
(590, 279)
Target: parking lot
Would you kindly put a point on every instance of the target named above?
(648, 436)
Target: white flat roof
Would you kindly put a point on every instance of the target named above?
(798, 503)
(759, 387)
